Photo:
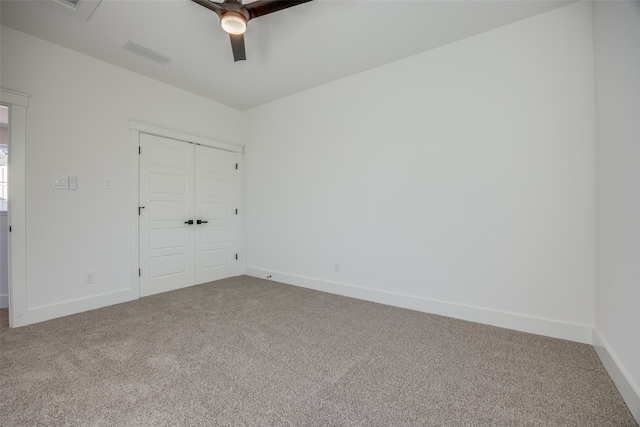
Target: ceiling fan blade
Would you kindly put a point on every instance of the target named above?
(264, 7)
(237, 46)
(216, 7)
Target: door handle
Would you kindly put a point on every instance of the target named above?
(189, 222)
(202, 222)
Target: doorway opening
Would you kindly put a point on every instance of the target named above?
(4, 201)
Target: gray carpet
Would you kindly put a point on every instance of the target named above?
(247, 351)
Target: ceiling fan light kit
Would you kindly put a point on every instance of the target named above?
(233, 22)
(234, 17)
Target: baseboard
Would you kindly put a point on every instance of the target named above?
(628, 389)
(4, 301)
(67, 308)
(534, 325)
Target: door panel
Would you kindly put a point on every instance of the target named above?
(215, 258)
(180, 181)
(167, 183)
(216, 234)
(164, 210)
(216, 198)
(168, 265)
(167, 238)
(216, 211)
(215, 187)
(167, 193)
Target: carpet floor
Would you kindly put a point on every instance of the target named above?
(247, 351)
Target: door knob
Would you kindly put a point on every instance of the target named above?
(189, 222)
(202, 222)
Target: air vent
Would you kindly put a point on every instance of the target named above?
(147, 53)
(80, 9)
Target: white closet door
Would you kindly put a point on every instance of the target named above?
(216, 200)
(167, 194)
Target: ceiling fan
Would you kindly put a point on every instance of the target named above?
(234, 17)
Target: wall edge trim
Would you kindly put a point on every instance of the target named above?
(518, 322)
(67, 308)
(629, 391)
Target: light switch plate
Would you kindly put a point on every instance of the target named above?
(59, 182)
(73, 183)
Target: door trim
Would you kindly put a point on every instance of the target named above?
(136, 127)
(17, 249)
(185, 136)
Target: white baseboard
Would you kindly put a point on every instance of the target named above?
(628, 389)
(4, 301)
(67, 308)
(534, 325)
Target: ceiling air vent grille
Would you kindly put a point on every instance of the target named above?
(80, 9)
(147, 53)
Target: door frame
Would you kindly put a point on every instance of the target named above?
(17, 219)
(136, 127)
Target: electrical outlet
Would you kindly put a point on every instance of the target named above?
(88, 277)
(336, 267)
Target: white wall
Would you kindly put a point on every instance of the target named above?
(78, 125)
(617, 313)
(459, 181)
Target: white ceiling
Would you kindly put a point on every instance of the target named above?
(287, 51)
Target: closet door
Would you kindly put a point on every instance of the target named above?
(166, 194)
(216, 200)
